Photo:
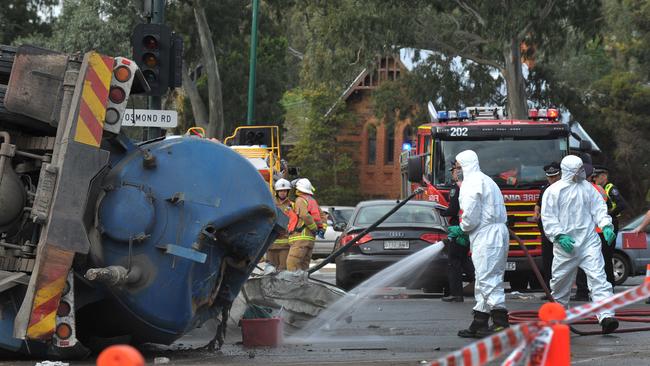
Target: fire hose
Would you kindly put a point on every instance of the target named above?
(370, 228)
(525, 316)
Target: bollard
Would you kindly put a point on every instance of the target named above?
(559, 353)
(120, 355)
(647, 273)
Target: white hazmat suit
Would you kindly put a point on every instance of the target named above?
(573, 207)
(484, 218)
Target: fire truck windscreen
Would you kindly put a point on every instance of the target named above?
(510, 162)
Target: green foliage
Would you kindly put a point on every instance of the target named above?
(229, 21)
(84, 25)
(19, 18)
(318, 155)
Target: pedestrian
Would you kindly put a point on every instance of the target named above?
(310, 223)
(459, 261)
(571, 208)
(279, 250)
(483, 219)
(552, 172)
(617, 202)
(582, 290)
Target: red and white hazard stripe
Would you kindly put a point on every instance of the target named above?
(490, 348)
(617, 301)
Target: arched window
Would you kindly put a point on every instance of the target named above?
(389, 156)
(372, 144)
(407, 135)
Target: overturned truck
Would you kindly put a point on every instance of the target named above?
(103, 239)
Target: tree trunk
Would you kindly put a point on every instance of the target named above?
(215, 102)
(199, 111)
(517, 101)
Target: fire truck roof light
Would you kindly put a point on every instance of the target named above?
(443, 115)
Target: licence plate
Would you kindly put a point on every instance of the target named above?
(511, 266)
(396, 244)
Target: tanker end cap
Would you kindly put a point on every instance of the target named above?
(112, 275)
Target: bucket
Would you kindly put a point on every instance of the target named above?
(265, 332)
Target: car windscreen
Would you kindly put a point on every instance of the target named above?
(510, 162)
(342, 214)
(407, 214)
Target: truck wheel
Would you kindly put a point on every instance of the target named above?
(621, 268)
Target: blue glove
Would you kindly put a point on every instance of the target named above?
(608, 233)
(566, 242)
(320, 233)
(455, 232)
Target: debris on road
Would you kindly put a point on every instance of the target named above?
(160, 360)
(52, 363)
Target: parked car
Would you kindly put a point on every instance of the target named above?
(413, 227)
(335, 215)
(630, 262)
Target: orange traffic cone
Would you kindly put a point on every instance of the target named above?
(120, 355)
(647, 273)
(559, 353)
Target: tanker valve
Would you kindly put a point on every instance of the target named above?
(113, 275)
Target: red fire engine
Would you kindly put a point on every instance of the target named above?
(512, 152)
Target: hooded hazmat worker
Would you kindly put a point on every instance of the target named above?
(571, 209)
(484, 220)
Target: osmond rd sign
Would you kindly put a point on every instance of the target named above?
(150, 118)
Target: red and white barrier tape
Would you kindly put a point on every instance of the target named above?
(522, 335)
(490, 348)
(617, 301)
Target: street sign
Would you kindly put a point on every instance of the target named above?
(150, 118)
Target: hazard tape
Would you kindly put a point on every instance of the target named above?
(490, 348)
(530, 340)
(617, 301)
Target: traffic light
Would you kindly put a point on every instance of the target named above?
(153, 52)
(127, 78)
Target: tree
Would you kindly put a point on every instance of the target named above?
(489, 33)
(19, 18)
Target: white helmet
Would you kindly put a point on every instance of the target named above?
(304, 185)
(282, 185)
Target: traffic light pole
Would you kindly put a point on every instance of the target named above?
(155, 102)
(250, 116)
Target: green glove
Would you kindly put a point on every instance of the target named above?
(566, 242)
(455, 232)
(608, 233)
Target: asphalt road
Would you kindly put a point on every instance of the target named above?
(391, 332)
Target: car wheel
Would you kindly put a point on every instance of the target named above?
(621, 268)
(519, 284)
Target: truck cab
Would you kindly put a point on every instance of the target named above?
(512, 152)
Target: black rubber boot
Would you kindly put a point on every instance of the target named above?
(499, 320)
(478, 327)
(609, 325)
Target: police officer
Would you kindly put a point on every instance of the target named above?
(458, 250)
(552, 172)
(617, 202)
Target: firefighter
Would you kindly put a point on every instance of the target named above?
(279, 250)
(459, 260)
(571, 208)
(484, 220)
(552, 172)
(310, 223)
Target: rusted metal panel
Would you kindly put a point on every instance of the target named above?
(34, 88)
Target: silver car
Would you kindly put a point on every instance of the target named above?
(335, 215)
(630, 262)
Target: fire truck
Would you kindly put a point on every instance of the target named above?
(512, 152)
